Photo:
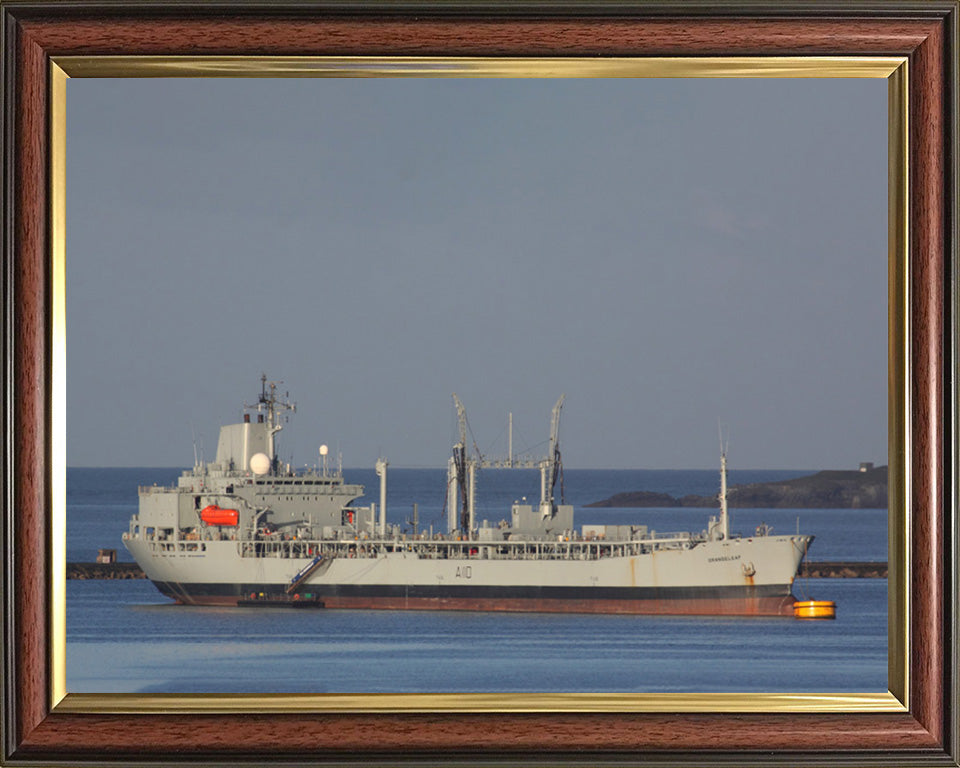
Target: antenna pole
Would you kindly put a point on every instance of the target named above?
(724, 517)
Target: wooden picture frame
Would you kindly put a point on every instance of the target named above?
(36, 730)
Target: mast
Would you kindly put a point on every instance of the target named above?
(275, 407)
(724, 517)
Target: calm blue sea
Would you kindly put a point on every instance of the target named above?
(123, 636)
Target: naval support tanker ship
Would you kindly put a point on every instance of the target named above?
(245, 530)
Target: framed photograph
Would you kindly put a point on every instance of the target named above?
(913, 51)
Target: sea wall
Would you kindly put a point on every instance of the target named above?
(827, 570)
(104, 571)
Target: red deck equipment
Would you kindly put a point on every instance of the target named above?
(213, 515)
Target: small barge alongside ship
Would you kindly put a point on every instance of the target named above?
(246, 530)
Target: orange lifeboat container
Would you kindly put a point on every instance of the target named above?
(815, 609)
(214, 515)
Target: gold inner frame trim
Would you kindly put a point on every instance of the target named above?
(894, 69)
(898, 387)
(124, 703)
(431, 66)
(58, 383)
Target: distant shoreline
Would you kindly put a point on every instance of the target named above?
(830, 489)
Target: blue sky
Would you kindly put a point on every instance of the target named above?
(667, 253)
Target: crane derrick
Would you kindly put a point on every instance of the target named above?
(462, 466)
(551, 468)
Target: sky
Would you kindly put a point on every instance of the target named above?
(672, 255)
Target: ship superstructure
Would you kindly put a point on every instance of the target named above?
(247, 530)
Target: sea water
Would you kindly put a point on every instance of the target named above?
(123, 636)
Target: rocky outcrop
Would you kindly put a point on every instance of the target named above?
(638, 499)
(831, 489)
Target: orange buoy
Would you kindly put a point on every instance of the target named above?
(815, 609)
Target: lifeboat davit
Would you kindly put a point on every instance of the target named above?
(214, 515)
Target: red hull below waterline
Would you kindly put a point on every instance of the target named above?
(764, 606)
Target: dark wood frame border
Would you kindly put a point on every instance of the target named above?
(925, 32)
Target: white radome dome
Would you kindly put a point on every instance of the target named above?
(259, 463)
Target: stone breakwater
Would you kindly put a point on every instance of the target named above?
(827, 570)
(808, 570)
(104, 571)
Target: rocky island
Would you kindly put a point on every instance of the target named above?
(830, 489)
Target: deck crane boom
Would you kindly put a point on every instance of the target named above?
(461, 477)
(551, 468)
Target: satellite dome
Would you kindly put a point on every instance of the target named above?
(259, 463)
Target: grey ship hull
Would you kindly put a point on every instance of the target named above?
(736, 577)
